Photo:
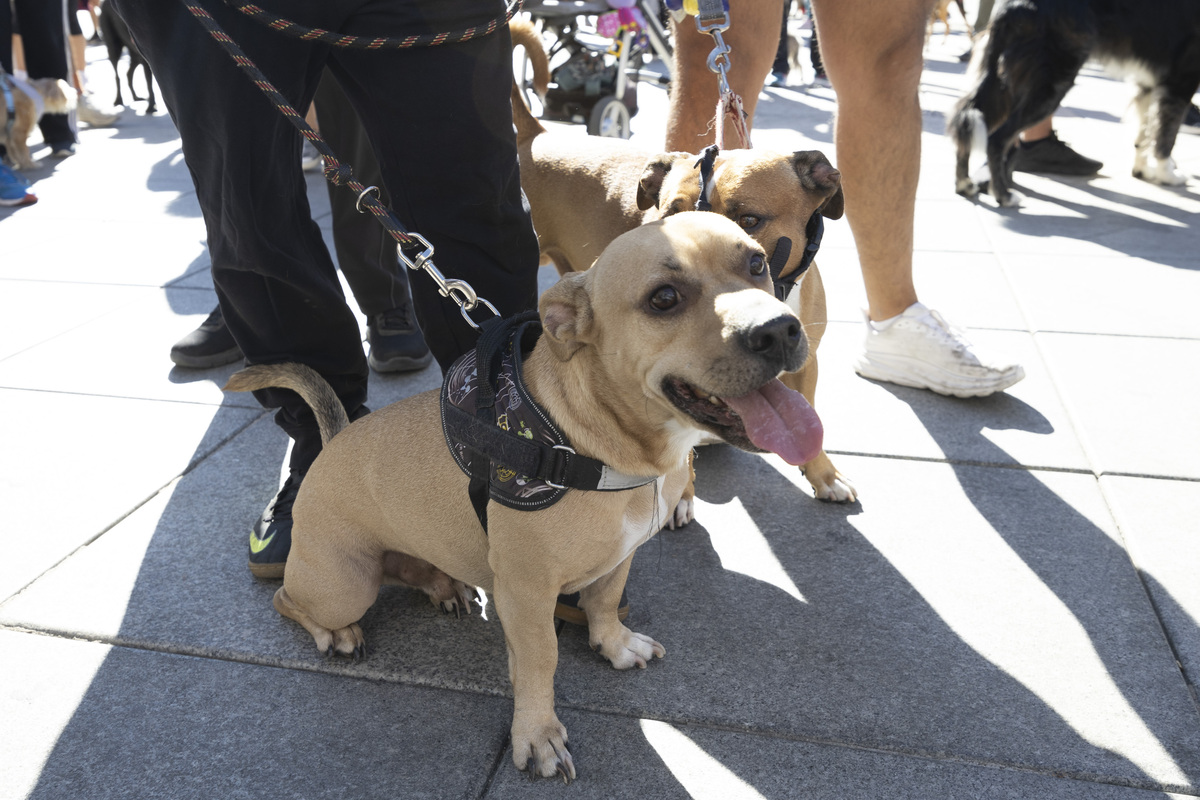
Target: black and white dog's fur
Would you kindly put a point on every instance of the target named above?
(1034, 50)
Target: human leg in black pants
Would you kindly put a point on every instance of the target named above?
(366, 253)
(275, 280)
(43, 28)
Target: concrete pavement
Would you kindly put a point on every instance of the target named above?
(1012, 609)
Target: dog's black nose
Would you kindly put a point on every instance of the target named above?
(780, 341)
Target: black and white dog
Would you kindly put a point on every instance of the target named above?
(1034, 50)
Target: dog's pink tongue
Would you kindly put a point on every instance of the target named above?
(780, 420)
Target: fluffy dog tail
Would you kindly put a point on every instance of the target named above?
(304, 381)
(57, 94)
(524, 34)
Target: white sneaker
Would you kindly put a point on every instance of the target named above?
(310, 157)
(919, 348)
(88, 111)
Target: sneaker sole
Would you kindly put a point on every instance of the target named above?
(206, 362)
(576, 616)
(400, 363)
(268, 571)
(881, 372)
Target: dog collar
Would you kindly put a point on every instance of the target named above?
(813, 231)
(501, 438)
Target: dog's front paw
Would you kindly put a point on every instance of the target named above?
(541, 748)
(685, 512)
(834, 488)
(625, 649)
(828, 484)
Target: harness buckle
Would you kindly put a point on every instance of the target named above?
(564, 448)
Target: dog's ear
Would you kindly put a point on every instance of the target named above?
(650, 186)
(818, 175)
(566, 311)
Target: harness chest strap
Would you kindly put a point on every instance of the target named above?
(502, 439)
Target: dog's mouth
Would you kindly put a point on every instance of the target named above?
(772, 418)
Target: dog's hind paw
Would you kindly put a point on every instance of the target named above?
(685, 512)
(348, 642)
(460, 603)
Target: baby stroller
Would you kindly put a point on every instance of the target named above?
(596, 85)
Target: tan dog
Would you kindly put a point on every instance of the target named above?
(54, 96)
(941, 12)
(585, 191)
(673, 333)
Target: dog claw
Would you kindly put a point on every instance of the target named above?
(562, 770)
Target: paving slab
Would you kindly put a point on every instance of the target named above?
(1082, 294)
(1027, 424)
(1158, 524)
(135, 359)
(82, 463)
(105, 722)
(1133, 405)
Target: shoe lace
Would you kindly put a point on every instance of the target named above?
(394, 319)
(947, 333)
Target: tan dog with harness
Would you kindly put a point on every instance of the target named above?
(674, 333)
(585, 191)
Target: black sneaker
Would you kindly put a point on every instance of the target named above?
(210, 345)
(1052, 157)
(271, 538)
(567, 609)
(396, 342)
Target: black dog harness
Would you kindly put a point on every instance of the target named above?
(503, 440)
(813, 231)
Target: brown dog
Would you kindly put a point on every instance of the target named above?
(672, 334)
(585, 191)
(54, 96)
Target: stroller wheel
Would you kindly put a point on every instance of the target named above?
(610, 117)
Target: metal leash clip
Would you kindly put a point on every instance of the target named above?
(461, 292)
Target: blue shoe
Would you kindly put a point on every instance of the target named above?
(14, 190)
(62, 149)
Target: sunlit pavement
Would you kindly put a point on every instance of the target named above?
(1011, 610)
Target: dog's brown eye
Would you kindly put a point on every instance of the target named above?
(758, 264)
(664, 298)
(749, 222)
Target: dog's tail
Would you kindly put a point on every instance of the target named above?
(304, 381)
(524, 34)
(986, 101)
(58, 95)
